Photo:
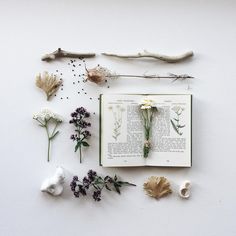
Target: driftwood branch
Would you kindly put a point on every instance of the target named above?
(59, 53)
(169, 59)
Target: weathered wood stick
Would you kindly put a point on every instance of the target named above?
(59, 53)
(169, 59)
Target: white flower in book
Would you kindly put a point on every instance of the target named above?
(147, 110)
(147, 103)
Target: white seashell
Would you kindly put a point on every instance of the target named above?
(184, 190)
(54, 184)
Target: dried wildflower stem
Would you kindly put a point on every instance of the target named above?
(172, 76)
(59, 53)
(169, 59)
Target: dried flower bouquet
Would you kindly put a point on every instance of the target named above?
(147, 110)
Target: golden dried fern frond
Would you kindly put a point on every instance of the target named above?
(48, 83)
(157, 187)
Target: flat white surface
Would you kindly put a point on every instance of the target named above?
(32, 28)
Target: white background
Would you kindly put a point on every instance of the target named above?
(31, 28)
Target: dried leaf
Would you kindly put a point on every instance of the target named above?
(157, 187)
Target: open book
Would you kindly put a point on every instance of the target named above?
(122, 131)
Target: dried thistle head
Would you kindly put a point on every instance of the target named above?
(98, 74)
(157, 187)
(48, 83)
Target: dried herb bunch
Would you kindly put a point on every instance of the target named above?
(95, 184)
(81, 135)
(147, 110)
(48, 83)
(46, 117)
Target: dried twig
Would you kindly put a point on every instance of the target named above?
(169, 59)
(59, 53)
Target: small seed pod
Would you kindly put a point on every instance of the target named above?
(184, 190)
(97, 75)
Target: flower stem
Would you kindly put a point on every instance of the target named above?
(80, 155)
(154, 76)
(49, 144)
(49, 140)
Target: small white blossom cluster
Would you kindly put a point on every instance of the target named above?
(45, 115)
(146, 103)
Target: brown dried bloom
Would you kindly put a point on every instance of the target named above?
(157, 187)
(48, 83)
(98, 74)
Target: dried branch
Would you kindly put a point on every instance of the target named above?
(169, 59)
(59, 53)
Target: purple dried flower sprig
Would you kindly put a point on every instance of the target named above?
(78, 119)
(95, 183)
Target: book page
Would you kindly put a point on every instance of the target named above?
(121, 131)
(171, 131)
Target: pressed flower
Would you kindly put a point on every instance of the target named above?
(146, 103)
(147, 110)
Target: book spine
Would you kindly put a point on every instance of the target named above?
(100, 130)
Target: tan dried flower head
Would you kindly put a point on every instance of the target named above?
(48, 83)
(157, 187)
(98, 74)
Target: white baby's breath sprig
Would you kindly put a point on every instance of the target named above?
(44, 118)
(147, 110)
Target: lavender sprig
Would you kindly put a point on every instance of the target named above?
(81, 135)
(96, 184)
